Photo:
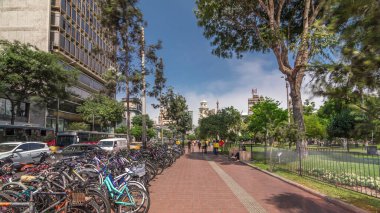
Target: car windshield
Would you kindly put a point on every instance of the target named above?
(7, 147)
(105, 143)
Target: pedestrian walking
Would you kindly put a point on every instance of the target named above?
(188, 146)
(199, 145)
(216, 148)
(192, 146)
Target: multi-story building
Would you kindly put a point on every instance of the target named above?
(163, 119)
(135, 108)
(69, 28)
(254, 100)
(204, 111)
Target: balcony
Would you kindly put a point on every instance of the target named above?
(18, 118)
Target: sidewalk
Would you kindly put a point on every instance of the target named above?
(200, 183)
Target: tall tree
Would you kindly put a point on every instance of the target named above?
(266, 117)
(102, 109)
(176, 111)
(136, 129)
(122, 20)
(113, 80)
(287, 28)
(26, 72)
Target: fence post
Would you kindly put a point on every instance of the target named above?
(251, 152)
(299, 160)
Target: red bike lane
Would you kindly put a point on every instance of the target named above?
(201, 183)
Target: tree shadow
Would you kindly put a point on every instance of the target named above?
(290, 202)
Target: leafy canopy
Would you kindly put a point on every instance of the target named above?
(102, 109)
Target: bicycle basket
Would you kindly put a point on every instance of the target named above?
(78, 198)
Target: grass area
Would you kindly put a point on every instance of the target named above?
(337, 162)
(360, 200)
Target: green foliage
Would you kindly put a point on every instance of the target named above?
(266, 116)
(78, 126)
(284, 27)
(102, 109)
(176, 110)
(136, 130)
(191, 137)
(26, 72)
(342, 125)
(113, 79)
(315, 127)
(121, 129)
(225, 124)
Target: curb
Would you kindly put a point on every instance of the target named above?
(340, 203)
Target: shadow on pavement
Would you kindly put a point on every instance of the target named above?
(290, 202)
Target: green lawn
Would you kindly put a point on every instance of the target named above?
(360, 200)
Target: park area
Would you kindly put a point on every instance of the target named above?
(355, 170)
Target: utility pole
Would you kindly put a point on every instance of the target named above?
(287, 97)
(143, 92)
(57, 118)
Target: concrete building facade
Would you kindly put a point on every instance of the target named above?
(70, 29)
(253, 100)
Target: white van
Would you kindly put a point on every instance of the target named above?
(113, 144)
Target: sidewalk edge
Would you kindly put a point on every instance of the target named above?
(335, 201)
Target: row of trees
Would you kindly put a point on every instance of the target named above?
(335, 41)
(269, 124)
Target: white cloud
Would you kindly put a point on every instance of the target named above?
(249, 74)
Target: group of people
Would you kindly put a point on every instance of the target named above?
(204, 144)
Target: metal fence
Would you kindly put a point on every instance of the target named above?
(355, 171)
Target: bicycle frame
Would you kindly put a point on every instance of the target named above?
(117, 193)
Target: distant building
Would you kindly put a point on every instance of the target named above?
(204, 111)
(191, 118)
(254, 100)
(163, 119)
(135, 108)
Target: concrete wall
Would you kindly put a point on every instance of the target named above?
(26, 21)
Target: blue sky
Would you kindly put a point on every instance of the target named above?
(197, 74)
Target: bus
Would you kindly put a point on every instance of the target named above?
(88, 137)
(10, 133)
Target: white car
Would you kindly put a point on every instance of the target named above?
(113, 144)
(24, 152)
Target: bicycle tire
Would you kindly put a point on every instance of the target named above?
(5, 209)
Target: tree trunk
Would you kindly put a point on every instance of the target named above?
(128, 111)
(13, 112)
(295, 94)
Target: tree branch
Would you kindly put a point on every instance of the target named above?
(316, 11)
(280, 6)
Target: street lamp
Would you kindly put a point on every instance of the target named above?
(287, 97)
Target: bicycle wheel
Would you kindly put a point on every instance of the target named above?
(90, 207)
(7, 209)
(100, 199)
(140, 198)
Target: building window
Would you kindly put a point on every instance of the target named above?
(68, 9)
(63, 5)
(62, 41)
(74, 15)
(67, 45)
(63, 23)
(5, 108)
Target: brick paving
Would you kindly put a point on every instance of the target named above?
(193, 184)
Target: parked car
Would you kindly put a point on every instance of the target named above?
(113, 144)
(78, 149)
(24, 152)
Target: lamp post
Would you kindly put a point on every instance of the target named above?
(287, 97)
(57, 117)
(143, 92)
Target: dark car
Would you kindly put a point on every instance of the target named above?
(79, 149)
